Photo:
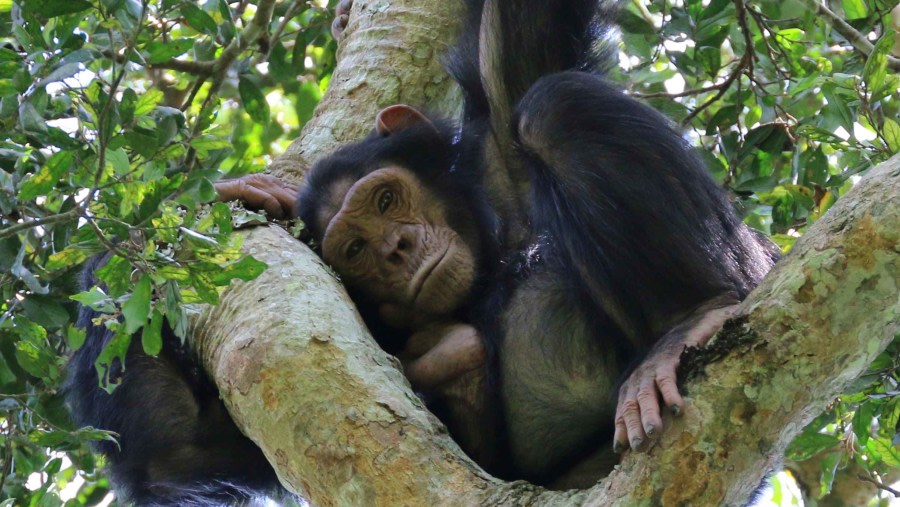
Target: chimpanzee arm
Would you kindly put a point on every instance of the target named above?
(631, 209)
(441, 353)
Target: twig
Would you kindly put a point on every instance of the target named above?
(879, 485)
(856, 39)
(735, 74)
(291, 12)
(202, 68)
(37, 222)
(686, 93)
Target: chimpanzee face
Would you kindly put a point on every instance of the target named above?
(390, 241)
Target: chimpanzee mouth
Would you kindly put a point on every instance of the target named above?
(428, 267)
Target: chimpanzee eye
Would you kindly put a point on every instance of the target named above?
(355, 247)
(387, 197)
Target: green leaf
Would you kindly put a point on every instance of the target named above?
(885, 450)
(829, 467)
(160, 51)
(203, 145)
(45, 311)
(205, 287)
(30, 119)
(75, 337)
(147, 102)
(61, 73)
(862, 421)
(114, 351)
(41, 183)
(876, 65)
(119, 161)
(891, 132)
(72, 255)
(53, 8)
(137, 308)
(198, 19)
(116, 274)
(151, 337)
(245, 269)
(807, 445)
(854, 9)
(96, 299)
(253, 99)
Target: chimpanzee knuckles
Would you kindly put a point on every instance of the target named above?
(341, 18)
(393, 119)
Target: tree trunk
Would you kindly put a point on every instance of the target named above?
(390, 53)
(338, 420)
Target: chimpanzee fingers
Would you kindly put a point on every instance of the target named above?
(258, 198)
(338, 25)
(668, 388)
(651, 421)
(620, 437)
(343, 7)
(629, 416)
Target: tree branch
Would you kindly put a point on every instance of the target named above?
(856, 39)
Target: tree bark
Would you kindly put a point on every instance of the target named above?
(304, 379)
(390, 53)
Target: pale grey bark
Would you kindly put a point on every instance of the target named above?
(390, 53)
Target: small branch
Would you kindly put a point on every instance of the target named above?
(204, 68)
(742, 64)
(879, 485)
(48, 220)
(856, 39)
(291, 12)
(686, 93)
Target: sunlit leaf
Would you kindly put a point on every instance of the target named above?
(137, 308)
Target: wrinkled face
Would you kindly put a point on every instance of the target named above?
(390, 240)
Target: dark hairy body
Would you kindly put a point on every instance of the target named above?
(520, 266)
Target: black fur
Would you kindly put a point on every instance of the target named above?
(177, 445)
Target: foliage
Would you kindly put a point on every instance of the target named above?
(120, 114)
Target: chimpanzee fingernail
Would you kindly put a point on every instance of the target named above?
(675, 409)
(618, 447)
(650, 430)
(636, 443)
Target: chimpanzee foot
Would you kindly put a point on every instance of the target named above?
(341, 17)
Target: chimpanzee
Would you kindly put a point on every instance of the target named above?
(603, 244)
(627, 252)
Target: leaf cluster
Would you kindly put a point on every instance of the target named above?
(118, 118)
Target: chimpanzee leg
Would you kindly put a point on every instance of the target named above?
(643, 226)
(176, 444)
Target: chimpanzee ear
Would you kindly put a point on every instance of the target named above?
(393, 119)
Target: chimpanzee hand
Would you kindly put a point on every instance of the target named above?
(441, 353)
(637, 412)
(260, 191)
(341, 17)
